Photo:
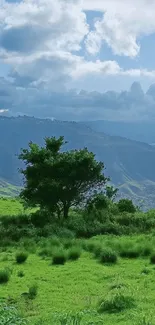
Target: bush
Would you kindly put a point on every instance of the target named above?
(20, 274)
(97, 251)
(126, 205)
(46, 251)
(59, 257)
(4, 276)
(74, 253)
(54, 241)
(108, 256)
(130, 252)
(90, 246)
(116, 303)
(152, 258)
(21, 257)
(146, 251)
(33, 290)
(68, 243)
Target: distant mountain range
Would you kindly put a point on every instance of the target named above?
(130, 164)
(143, 131)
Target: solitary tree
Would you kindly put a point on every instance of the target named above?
(57, 180)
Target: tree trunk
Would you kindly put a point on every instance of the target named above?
(66, 210)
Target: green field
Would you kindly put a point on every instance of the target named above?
(78, 286)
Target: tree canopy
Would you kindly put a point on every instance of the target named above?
(57, 180)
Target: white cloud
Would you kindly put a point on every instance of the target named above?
(41, 39)
(122, 24)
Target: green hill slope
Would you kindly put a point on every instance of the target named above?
(8, 190)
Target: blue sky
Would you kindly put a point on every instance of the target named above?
(51, 46)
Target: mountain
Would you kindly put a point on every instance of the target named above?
(143, 131)
(130, 164)
(8, 190)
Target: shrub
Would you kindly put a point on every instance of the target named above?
(33, 290)
(20, 274)
(152, 258)
(21, 257)
(29, 245)
(97, 251)
(54, 241)
(74, 253)
(126, 205)
(116, 303)
(130, 252)
(146, 271)
(108, 256)
(97, 202)
(4, 276)
(59, 257)
(68, 243)
(146, 251)
(46, 251)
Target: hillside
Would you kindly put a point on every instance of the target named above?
(130, 164)
(139, 131)
(8, 190)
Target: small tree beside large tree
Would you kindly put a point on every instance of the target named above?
(55, 180)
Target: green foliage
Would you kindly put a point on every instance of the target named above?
(107, 256)
(33, 291)
(152, 258)
(130, 251)
(111, 192)
(97, 202)
(116, 303)
(74, 253)
(126, 205)
(59, 257)
(10, 316)
(4, 276)
(21, 257)
(57, 180)
(20, 274)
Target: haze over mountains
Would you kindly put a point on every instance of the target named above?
(130, 164)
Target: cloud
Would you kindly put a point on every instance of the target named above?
(45, 42)
(123, 23)
(40, 38)
(42, 102)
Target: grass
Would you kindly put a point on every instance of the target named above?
(79, 285)
(116, 303)
(12, 207)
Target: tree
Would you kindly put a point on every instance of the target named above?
(97, 202)
(111, 192)
(126, 205)
(56, 180)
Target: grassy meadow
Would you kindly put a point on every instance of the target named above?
(106, 279)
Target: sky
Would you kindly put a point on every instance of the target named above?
(65, 46)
